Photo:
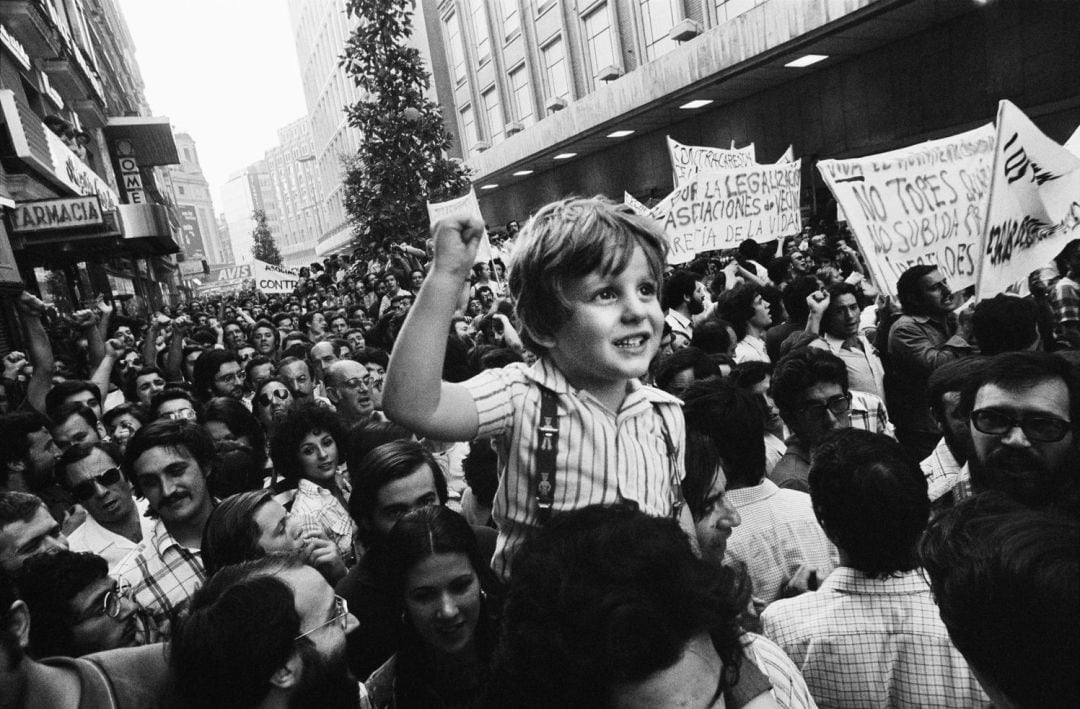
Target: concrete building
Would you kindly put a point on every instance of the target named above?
(190, 194)
(556, 97)
(295, 182)
(244, 192)
(79, 149)
(320, 29)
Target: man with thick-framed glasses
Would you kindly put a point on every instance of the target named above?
(348, 385)
(269, 632)
(1024, 412)
(77, 607)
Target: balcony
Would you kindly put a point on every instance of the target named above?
(32, 23)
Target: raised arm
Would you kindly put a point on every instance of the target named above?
(114, 349)
(174, 359)
(414, 394)
(41, 354)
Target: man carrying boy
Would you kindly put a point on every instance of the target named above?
(576, 428)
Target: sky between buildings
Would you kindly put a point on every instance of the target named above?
(223, 71)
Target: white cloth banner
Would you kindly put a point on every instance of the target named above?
(273, 279)
(639, 208)
(1034, 202)
(466, 204)
(721, 209)
(687, 160)
(925, 204)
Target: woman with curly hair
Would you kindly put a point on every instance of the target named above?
(308, 453)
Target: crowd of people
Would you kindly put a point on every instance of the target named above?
(568, 476)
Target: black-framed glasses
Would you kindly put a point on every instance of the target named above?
(1043, 429)
(341, 613)
(111, 605)
(839, 404)
(85, 489)
(357, 383)
(264, 398)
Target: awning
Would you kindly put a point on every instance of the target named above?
(338, 242)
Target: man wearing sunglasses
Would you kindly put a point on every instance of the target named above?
(1024, 410)
(115, 522)
(265, 633)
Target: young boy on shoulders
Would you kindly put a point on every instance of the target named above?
(577, 427)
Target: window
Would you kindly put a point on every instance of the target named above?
(493, 114)
(456, 47)
(179, 189)
(187, 154)
(480, 30)
(555, 69)
(730, 9)
(468, 128)
(511, 20)
(599, 39)
(522, 96)
(657, 19)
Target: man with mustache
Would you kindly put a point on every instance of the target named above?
(167, 462)
(1023, 415)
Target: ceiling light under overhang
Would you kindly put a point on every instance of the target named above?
(806, 60)
(620, 134)
(488, 187)
(696, 103)
(564, 156)
(522, 173)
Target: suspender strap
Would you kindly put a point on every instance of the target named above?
(677, 499)
(548, 437)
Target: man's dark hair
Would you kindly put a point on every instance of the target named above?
(388, 462)
(169, 394)
(724, 427)
(481, 468)
(15, 430)
(799, 370)
(687, 358)
(369, 435)
(131, 386)
(256, 361)
(779, 268)
(278, 317)
(183, 436)
(870, 497)
(907, 288)
(206, 368)
(300, 420)
(63, 412)
(746, 374)
(373, 355)
(794, 298)
(62, 390)
(749, 249)
(679, 285)
(1013, 370)
(736, 306)
(241, 628)
(130, 408)
(604, 596)
(1005, 323)
(231, 535)
(1006, 579)
(18, 506)
(48, 583)
(711, 337)
(953, 376)
(76, 453)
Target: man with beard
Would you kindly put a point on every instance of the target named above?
(218, 373)
(115, 522)
(27, 459)
(684, 297)
(265, 633)
(1025, 409)
(167, 462)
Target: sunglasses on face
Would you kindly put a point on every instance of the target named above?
(86, 489)
(264, 398)
(1043, 429)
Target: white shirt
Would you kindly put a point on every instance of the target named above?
(92, 537)
(751, 349)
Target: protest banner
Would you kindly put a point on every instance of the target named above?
(1034, 202)
(630, 201)
(466, 204)
(721, 209)
(788, 156)
(925, 204)
(273, 279)
(1073, 143)
(687, 160)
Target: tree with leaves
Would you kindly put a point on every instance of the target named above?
(402, 161)
(262, 241)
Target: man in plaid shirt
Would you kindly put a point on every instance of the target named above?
(167, 462)
(871, 636)
(1065, 301)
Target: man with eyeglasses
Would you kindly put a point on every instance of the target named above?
(77, 607)
(810, 388)
(115, 522)
(265, 633)
(1024, 410)
(348, 384)
(218, 373)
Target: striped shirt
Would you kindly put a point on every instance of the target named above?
(315, 509)
(789, 689)
(601, 457)
(863, 642)
(779, 533)
(163, 575)
(944, 474)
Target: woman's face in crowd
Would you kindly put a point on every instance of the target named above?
(318, 456)
(442, 602)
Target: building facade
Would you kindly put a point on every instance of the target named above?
(245, 192)
(554, 97)
(84, 213)
(294, 179)
(190, 194)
